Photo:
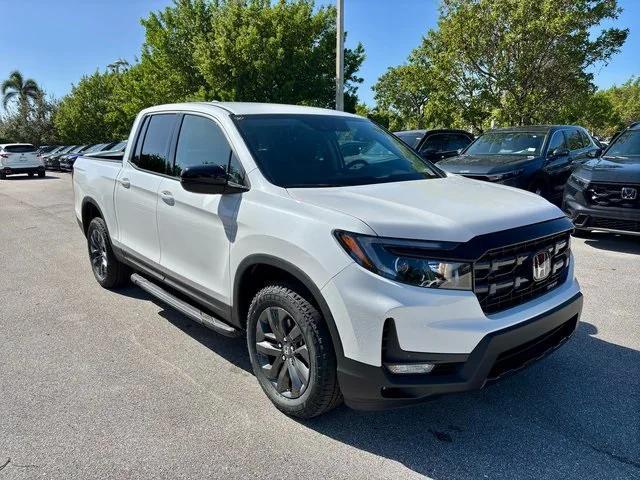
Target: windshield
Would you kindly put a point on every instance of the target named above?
(626, 145)
(118, 147)
(328, 151)
(507, 143)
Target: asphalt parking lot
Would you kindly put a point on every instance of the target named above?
(99, 384)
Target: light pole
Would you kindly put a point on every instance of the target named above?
(340, 55)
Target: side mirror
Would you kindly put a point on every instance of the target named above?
(595, 153)
(211, 179)
(560, 152)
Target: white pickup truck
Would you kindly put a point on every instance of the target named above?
(355, 269)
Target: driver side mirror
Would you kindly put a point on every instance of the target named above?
(559, 152)
(595, 153)
(211, 179)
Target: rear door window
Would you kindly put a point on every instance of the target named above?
(154, 148)
(20, 149)
(574, 139)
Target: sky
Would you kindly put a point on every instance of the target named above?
(55, 42)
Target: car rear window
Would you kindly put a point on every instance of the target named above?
(19, 149)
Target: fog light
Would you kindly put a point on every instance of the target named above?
(410, 368)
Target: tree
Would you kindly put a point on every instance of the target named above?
(88, 114)
(516, 61)
(16, 88)
(283, 52)
(36, 127)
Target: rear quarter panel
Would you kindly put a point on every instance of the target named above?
(94, 180)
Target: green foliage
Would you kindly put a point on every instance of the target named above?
(609, 111)
(31, 125)
(16, 88)
(88, 114)
(194, 50)
(508, 61)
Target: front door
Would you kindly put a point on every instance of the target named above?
(195, 229)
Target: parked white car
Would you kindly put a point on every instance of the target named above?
(355, 269)
(20, 158)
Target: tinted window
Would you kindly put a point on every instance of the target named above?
(586, 141)
(627, 144)
(574, 139)
(410, 138)
(19, 148)
(507, 143)
(154, 151)
(323, 150)
(445, 142)
(201, 142)
(557, 141)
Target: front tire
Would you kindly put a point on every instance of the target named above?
(107, 269)
(291, 352)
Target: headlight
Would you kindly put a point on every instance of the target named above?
(499, 177)
(579, 181)
(407, 261)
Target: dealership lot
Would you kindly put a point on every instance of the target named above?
(98, 384)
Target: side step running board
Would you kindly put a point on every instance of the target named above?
(185, 308)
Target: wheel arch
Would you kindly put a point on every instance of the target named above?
(89, 211)
(246, 283)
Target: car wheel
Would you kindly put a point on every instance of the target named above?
(30, 174)
(108, 270)
(291, 352)
(41, 174)
(3, 176)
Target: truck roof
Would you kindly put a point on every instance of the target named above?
(249, 108)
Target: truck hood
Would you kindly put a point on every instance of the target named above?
(609, 169)
(452, 209)
(484, 164)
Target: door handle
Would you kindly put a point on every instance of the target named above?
(167, 198)
(125, 182)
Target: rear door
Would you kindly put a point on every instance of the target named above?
(136, 190)
(20, 156)
(196, 229)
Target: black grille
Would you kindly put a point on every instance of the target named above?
(524, 354)
(503, 277)
(615, 224)
(611, 195)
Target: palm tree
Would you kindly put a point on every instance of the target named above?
(17, 88)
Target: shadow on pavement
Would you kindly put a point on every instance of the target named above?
(613, 242)
(526, 426)
(575, 414)
(234, 350)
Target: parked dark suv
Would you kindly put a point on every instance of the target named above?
(436, 145)
(604, 193)
(535, 158)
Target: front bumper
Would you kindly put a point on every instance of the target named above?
(18, 170)
(368, 387)
(611, 219)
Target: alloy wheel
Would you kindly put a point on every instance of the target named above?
(98, 253)
(282, 352)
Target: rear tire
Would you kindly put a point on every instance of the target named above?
(107, 269)
(3, 176)
(41, 174)
(291, 352)
(30, 174)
